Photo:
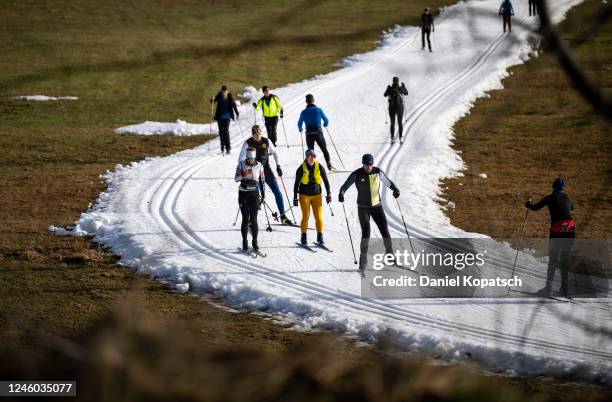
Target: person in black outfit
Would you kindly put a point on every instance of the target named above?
(368, 180)
(394, 94)
(427, 27)
(250, 174)
(533, 4)
(226, 111)
(562, 233)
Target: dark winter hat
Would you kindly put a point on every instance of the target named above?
(396, 80)
(309, 98)
(310, 152)
(224, 88)
(264, 88)
(367, 159)
(558, 184)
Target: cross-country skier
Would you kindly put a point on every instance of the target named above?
(263, 149)
(427, 27)
(562, 233)
(251, 176)
(533, 5)
(506, 11)
(368, 179)
(394, 94)
(226, 110)
(311, 117)
(308, 179)
(272, 108)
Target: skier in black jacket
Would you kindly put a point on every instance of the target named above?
(368, 179)
(506, 11)
(562, 233)
(427, 27)
(394, 94)
(250, 174)
(226, 110)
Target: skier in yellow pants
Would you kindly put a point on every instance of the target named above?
(308, 178)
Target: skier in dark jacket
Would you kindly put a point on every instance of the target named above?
(272, 109)
(308, 179)
(368, 180)
(226, 111)
(264, 149)
(562, 232)
(311, 117)
(394, 94)
(506, 11)
(427, 27)
(250, 174)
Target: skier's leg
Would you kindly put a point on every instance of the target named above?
(378, 214)
(553, 260)
(253, 209)
(273, 185)
(272, 132)
(400, 121)
(509, 22)
(392, 118)
(317, 210)
(310, 140)
(320, 139)
(244, 211)
(422, 38)
(428, 40)
(564, 255)
(221, 134)
(364, 222)
(305, 207)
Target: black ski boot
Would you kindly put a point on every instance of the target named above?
(363, 262)
(255, 245)
(304, 240)
(320, 238)
(245, 245)
(330, 167)
(284, 220)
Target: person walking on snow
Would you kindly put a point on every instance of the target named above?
(226, 110)
(311, 117)
(427, 27)
(506, 11)
(308, 179)
(368, 179)
(562, 233)
(394, 94)
(251, 176)
(272, 108)
(263, 149)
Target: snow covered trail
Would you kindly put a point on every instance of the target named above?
(172, 217)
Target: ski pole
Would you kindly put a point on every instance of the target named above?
(386, 115)
(520, 243)
(337, 153)
(269, 228)
(211, 119)
(288, 201)
(240, 127)
(405, 227)
(302, 138)
(274, 214)
(349, 232)
(237, 213)
(285, 132)
(330, 209)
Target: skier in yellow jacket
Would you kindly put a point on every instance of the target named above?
(272, 108)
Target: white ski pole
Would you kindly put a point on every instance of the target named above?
(520, 243)
(284, 131)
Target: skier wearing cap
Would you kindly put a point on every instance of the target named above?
(250, 174)
(427, 27)
(506, 11)
(308, 179)
(226, 110)
(263, 149)
(394, 94)
(272, 108)
(368, 179)
(311, 117)
(562, 233)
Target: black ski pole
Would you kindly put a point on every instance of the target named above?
(405, 227)
(285, 132)
(288, 201)
(269, 228)
(330, 209)
(519, 245)
(274, 214)
(349, 232)
(337, 153)
(237, 213)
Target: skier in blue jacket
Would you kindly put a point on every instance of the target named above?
(506, 11)
(311, 117)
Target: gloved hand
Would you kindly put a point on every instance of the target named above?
(403, 85)
(237, 116)
(341, 197)
(255, 105)
(281, 113)
(328, 198)
(324, 125)
(279, 171)
(295, 202)
(396, 193)
(300, 131)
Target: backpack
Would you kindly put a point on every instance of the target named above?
(395, 97)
